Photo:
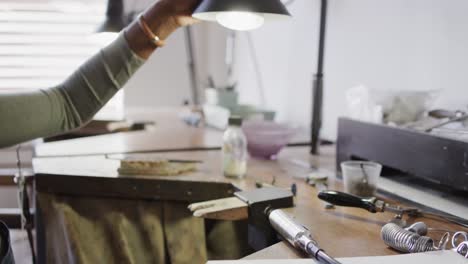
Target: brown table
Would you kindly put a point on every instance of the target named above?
(170, 134)
(343, 232)
(161, 139)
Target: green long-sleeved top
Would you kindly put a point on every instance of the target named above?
(46, 112)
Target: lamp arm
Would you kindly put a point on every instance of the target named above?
(192, 68)
(317, 86)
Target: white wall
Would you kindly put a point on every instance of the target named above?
(385, 44)
(164, 79)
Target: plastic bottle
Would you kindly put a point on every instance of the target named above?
(234, 149)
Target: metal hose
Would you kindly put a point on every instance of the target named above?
(405, 240)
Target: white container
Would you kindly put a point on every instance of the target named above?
(216, 116)
(225, 98)
(361, 177)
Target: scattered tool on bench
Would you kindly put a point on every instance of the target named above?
(375, 205)
(397, 234)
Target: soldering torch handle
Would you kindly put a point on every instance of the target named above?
(324, 258)
(349, 200)
(298, 236)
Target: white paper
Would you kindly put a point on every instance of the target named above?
(362, 106)
(436, 257)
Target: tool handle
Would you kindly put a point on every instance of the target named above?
(349, 200)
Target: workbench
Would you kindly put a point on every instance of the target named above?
(343, 232)
(81, 169)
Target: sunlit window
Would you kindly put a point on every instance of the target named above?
(42, 42)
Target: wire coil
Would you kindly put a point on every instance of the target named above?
(462, 249)
(405, 240)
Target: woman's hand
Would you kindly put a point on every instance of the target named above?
(181, 10)
(163, 17)
(166, 16)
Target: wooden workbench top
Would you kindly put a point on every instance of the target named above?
(343, 232)
(170, 133)
(160, 139)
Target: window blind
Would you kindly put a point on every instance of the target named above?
(43, 41)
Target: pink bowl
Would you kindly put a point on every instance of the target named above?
(265, 139)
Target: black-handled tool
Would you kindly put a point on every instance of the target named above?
(374, 205)
(349, 200)
(371, 204)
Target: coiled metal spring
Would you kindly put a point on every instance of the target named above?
(409, 240)
(462, 249)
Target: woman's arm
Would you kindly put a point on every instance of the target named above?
(47, 112)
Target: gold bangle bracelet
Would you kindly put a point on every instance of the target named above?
(153, 38)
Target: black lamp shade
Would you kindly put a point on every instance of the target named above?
(269, 9)
(115, 20)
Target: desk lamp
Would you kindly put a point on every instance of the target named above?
(251, 14)
(241, 14)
